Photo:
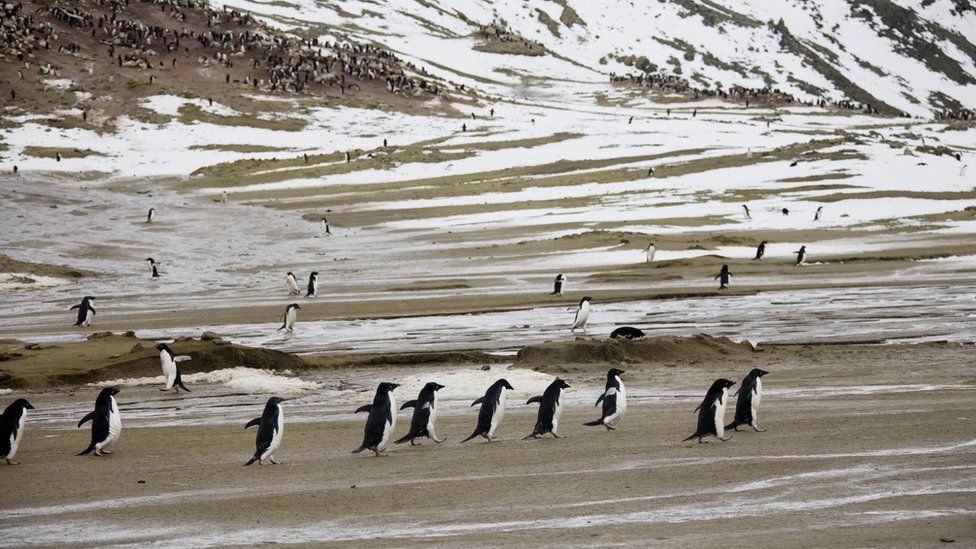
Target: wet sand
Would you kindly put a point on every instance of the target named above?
(867, 446)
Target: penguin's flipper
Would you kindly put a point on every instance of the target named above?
(594, 423)
(75, 307)
(599, 400)
(534, 399)
(732, 425)
(696, 408)
(364, 408)
(409, 404)
(480, 400)
(253, 422)
(87, 418)
(87, 450)
(736, 393)
(182, 358)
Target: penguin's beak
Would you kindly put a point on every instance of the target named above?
(29, 407)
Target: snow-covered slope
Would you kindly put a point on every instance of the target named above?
(914, 56)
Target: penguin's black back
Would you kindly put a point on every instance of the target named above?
(380, 413)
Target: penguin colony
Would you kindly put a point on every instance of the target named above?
(106, 422)
(381, 422)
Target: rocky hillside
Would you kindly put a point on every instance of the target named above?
(896, 56)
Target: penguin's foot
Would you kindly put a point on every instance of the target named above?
(98, 453)
(758, 430)
(12, 462)
(554, 435)
(609, 428)
(273, 460)
(106, 451)
(702, 441)
(261, 462)
(413, 442)
(725, 439)
(736, 428)
(436, 440)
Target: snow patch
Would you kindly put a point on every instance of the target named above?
(240, 378)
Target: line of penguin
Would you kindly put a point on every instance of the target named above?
(381, 422)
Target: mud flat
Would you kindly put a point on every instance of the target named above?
(867, 445)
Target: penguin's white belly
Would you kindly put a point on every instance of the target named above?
(432, 415)
(650, 254)
(15, 437)
(276, 439)
(169, 369)
(499, 414)
(582, 316)
(720, 413)
(87, 319)
(292, 285)
(757, 397)
(290, 319)
(390, 426)
(621, 404)
(558, 413)
(114, 425)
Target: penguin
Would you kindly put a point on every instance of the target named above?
(305, 156)
(85, 311)
(150, 215)
(381, 421)
(631, 121)
(711, 412)
(651, 250)
(348, 157)
(464, 127)
(816, 216)
(492, 410)
(57, 157)
(749, 153)
(725, 275)
(627, 332)
(557, 288)
(746, 208)
(313, 284)
(223, 197)
(582, 314)
(794, 163)
(271, 427)
(169, 362)
(760, 251)
(153, 272)
(292, 284)
(785, 211)
(962, 170)
(694, 113)
(801, 255)
(614, 399)
(424, 415)
(288, 321)
(384, 142)
(325, 226)
(650, 171)
(106, 422)
(12, 429)
(749, 395)
(550, 409)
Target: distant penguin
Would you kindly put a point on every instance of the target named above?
(550, 409)
(292, 284)
(288, 321)
(12, 429)
(271, 427)
(631, 121)
(627, 332)
(557, 287)
(313, 285)
(348, 157)
(651, 250)
(381, 421)
(650, 171)
(747, 405)
(614, 399)
(749, 153)
(16, 169)
(150, 215)
(223, 197)
(801, 255)
(694, 113)
(169, 362)
(962, 171)
(746, 208)
(325, 226)
(492, 410)
(153, 272)
(106, 422)
(85, 311)
(384, 142)
(785, 211)
(305, 157)
(724, 276)
(816, 216)
(711, 412)
(582, 314)
(57, 157)
(794, 163)
(464, 127)
(424, 415)
(760, 251)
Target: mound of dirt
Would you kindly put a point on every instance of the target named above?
(104, 356)
(580, 355)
